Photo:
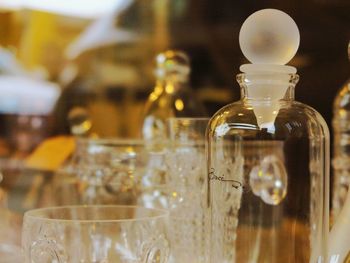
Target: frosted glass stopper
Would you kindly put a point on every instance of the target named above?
(172, 62)
(269, 36)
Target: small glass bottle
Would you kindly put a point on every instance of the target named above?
(268, 157)
(341, 144)
(171, 97)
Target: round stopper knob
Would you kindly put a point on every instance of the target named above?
(172, 62)
(269, 36)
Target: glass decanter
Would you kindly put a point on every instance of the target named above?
(268, 157)
(171, 97)
(341, 150)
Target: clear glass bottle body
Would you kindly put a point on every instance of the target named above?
(341, 148)
(268, 187)
(172, 95)
(169, 99)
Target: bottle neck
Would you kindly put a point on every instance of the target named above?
(172, 83)
(266, 87)
(264, 91)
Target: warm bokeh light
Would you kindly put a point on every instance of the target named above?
(77, 8)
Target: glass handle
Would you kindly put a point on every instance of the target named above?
(157, 250)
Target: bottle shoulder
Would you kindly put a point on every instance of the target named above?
(293, 117)
(303, 114)
(241, 108)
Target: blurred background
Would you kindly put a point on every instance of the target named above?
(60, 56)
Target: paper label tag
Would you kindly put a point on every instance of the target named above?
(51, 153)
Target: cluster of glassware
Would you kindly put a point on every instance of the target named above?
(161, 215)
(258, 192)
(131, 200)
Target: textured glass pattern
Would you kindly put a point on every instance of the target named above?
(95, 234)
(186, 164)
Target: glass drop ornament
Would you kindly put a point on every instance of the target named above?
(269, 180)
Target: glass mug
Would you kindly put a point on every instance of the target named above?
(95, 234)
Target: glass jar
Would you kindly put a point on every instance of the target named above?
(268, 158)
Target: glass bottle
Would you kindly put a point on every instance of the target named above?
(268, 158)
(341, 144)
(171, 97)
